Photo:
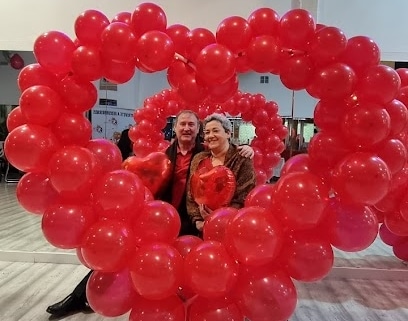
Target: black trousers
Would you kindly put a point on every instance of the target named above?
(80, 289)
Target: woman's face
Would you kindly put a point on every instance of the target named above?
(215, 135)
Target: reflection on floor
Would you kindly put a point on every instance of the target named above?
(370, 285)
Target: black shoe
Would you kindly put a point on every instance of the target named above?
(70, 305)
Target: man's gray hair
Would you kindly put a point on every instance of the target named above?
(224, 121)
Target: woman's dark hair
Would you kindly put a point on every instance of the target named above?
(125, 144)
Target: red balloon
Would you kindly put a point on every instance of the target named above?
(234, 33)
(110, 294)
(263, 54)
(398, 116)
(142, 147)
(118, 194)
(107, 154)
(87, 63)
(179, 35)
(209, 264)
(396, 223)
(327, 45)
(65, 224)
(198, 39)
(168, 309)
(118, 72)
(401, 250)
(241, 63)
(73, 171)
(215, 64)
(261, 196)
(214, 188)
(216, 224)
(361, 178)
(297, 29)
(158, 221)
(154, 170)
(191, 91)
(296, 72)
(35, 193)
(297, 163)
(264, 294)
(403, 74)
(108, 246)
(118, 42)
(302, 196)
(388, 237)
(185, 243)
(379, 84)
(308, 256)
(215, 310)
(361, 53)
(253, 236)
(366, 124)
(37, 141)
(156, 271)
(81, 258)
(15, 118)
(326, 149)
(35, 74)
(78, 95)
(123, 16)
(264, 21)
(394, 153)
(53, 50)
(223, 92)
(155, 50)
(73, 129)
(350, 227)
(16, 62)
(334, 81)
(328, 112)
(147, 17)
(41, 105)
(89, 26)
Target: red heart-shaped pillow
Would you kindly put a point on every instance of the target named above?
(214, 188)
(154, 170)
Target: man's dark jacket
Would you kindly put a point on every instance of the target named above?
(187, 227)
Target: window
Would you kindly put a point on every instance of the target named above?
(264, 80)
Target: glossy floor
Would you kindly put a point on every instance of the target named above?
(371, 285)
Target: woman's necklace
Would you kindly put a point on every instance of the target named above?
(218, 159)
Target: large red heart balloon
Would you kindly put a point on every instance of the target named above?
(214, 188)
(154, 170)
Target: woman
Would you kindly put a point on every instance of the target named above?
(217, 134)
(125, 144)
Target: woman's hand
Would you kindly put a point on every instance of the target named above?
(246, 151)
(204, 211)
(199, 225)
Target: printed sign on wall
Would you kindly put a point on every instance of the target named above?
(109, 121)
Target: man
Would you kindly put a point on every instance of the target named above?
(187, 143)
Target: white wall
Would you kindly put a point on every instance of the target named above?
(385, 21)
(303, 103)
(9, 92)
(22, 21)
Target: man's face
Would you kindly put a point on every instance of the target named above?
(186, 128)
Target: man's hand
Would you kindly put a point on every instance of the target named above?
(246, 151)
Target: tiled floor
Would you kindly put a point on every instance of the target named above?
(371, 285)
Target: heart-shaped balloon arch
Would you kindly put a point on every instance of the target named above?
(354, 175)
